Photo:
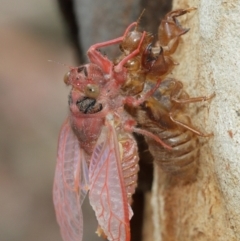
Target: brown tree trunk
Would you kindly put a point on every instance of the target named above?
(209, 57)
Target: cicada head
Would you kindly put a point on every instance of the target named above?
(87, 83)
(84, 75)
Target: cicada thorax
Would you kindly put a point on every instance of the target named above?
(87, 131)
(87, 82)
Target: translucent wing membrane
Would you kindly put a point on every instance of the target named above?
(107, 190)
(70, 185)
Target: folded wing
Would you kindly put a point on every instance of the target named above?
(107, 189)
(70, 185)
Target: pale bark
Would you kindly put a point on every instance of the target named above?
(209, 57)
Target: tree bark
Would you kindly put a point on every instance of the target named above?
(209, 61)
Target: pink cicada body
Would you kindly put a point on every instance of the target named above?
(96, 151)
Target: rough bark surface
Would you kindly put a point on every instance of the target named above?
(209, 57)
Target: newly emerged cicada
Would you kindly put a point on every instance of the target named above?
(96, 151)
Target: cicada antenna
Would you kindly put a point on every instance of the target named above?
(56, 62)
(139, 18)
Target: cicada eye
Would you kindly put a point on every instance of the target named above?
(92, 91)
(66, 78)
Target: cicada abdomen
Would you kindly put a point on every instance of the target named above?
(164, 114)
(183, 158)
(130, 167)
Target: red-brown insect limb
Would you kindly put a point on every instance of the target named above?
(164, 114)
(170, 30)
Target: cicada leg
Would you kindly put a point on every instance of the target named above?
(97, 58)
(192, 99)
(170, 30)
(130, 127)
(188, 127)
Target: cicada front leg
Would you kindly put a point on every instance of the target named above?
(188, 126)
(193, 99)
(170, 30)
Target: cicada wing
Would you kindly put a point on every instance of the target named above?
(107, 190)
(70, 182)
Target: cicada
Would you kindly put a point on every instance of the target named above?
(96, 150)
(164, 113)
